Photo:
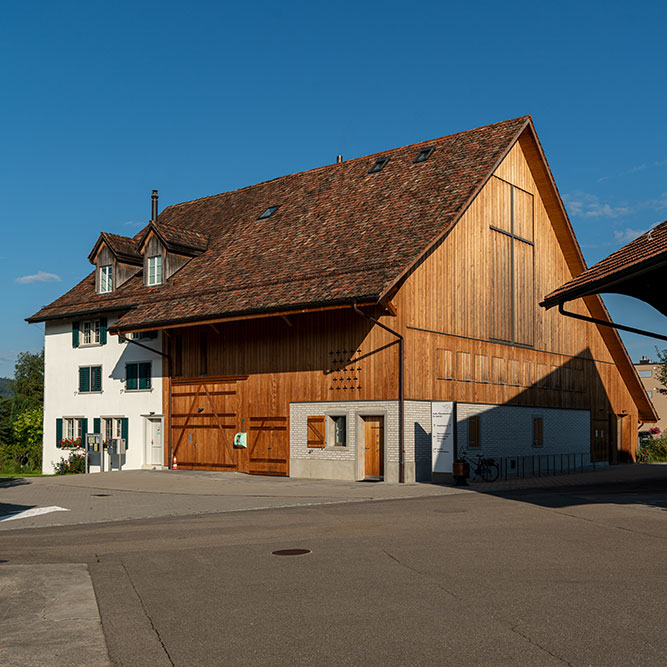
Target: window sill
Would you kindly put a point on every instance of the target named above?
(137, 391)
(88, 393)
(90, 344)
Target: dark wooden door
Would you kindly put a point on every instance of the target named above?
(600, 441)
(203, 423)
(374, 446)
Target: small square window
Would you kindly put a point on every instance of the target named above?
(90, 332)
(138, 376)
(268, 213)
(378, 165)
(90, 379)
(424, 154)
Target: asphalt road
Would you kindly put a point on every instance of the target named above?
(571, 576)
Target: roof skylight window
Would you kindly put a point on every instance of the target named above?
(268, 213)
(379, 164)
(423, 155)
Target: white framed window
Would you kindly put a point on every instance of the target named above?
(112, 427)
(90, 332)
(155, 270)
(337, 430)
(72, 427)
(106, 279)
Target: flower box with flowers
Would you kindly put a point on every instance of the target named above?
(70, 443)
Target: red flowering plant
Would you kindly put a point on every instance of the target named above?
(70, 443)
(654, 431)
(73, 465)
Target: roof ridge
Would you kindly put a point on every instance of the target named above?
(355, 159)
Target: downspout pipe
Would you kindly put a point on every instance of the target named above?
(168, 358)
(401, 390)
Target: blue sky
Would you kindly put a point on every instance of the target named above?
(101, 102)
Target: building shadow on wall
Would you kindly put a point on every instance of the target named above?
(573, 385)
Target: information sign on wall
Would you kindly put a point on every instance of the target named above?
(442, 435)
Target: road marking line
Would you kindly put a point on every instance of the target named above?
(35, 511)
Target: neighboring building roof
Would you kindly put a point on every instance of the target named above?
(638, 269)
(340, 234)
(124, 248)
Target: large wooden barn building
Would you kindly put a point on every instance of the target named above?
(320, 324)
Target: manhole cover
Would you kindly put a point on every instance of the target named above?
(100, 495)
(291, 552)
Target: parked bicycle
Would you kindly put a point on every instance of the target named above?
(486, 469)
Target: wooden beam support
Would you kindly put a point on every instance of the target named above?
(286, 320)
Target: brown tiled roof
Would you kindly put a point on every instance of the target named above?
(176, 238)
(620, 271)
(340, 234)
(123, 247)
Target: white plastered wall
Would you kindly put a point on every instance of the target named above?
(62, 398)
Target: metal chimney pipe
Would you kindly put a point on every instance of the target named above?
(339, 159)
(154, 206)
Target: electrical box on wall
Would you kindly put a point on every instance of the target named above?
(241, 440)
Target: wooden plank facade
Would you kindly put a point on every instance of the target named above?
(472, 329)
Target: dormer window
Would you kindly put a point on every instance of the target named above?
(106, 279)
(155, 270)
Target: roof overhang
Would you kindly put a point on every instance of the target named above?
(120, 328)
(644, 281)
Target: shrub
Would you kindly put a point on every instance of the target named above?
(73, 465)
(652, 451)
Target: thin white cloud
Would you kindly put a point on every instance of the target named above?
(39, 277)
(131, 223)
(626, 235)
(582, 204)
(7, 356)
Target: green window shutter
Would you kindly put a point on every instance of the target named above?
(103, 330)
(84, 379)
(59, 431)
(96, 378)
(131, 376)
(84, 429)
(145, 376)
(75, 334)
(124, 429)
(97, 425)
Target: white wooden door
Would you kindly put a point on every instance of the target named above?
(155, 449)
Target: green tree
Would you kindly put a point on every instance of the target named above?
(26, 448)
(28, 382)
(21, 415)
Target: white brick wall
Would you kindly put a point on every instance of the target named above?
(507, 431)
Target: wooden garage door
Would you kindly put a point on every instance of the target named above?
(208, 412)
(203, 422)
